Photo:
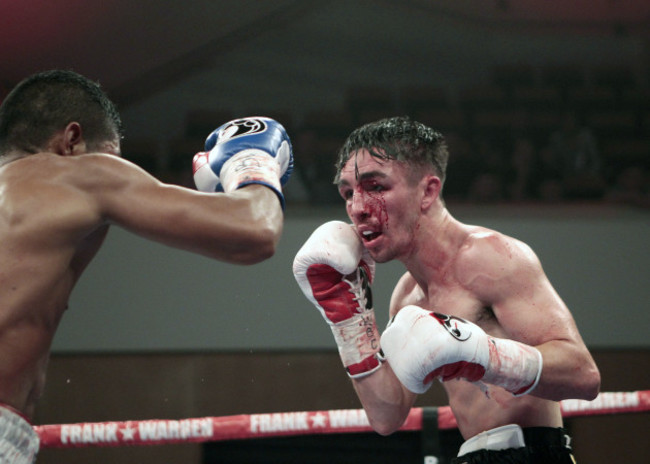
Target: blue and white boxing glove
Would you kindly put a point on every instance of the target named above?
(253, 150)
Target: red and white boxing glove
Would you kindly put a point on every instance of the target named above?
(422, 345)
(335, 272)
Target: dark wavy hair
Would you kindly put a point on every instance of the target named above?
(47, 102)
(399, 138)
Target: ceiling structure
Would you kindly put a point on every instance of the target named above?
(154, 54)
(136, 47)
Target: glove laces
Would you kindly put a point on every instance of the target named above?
(360, 288)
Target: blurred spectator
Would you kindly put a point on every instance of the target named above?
(547, 178)
(314, 166)
(295, 192)
(488, 185)
(464, 168)
(520, 179)
(486, 188)
(631, 186)
(574, 145)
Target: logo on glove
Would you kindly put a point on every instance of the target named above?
(241, 127)
(365, 285)
(456, 326)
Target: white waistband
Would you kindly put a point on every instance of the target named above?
(508, 436)
(19, 442)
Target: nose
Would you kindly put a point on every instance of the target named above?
(357, 206)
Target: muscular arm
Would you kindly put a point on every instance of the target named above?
(507, 275)
(241, 227)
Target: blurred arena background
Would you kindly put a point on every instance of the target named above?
(157, 333)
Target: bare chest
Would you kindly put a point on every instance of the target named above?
(454, 300)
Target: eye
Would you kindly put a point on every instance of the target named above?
(346, 194)
(373, 186)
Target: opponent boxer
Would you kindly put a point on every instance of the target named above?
(63, 182)
(474, 308)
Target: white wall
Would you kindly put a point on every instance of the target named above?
(139, 295)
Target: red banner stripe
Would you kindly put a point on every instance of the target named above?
(247, 426)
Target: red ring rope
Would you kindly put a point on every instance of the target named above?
(196, 430)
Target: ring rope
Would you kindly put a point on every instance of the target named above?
(246, 426)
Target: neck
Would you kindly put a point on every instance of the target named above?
(436, 242)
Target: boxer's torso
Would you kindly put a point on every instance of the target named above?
(48, 234)
(474, 411)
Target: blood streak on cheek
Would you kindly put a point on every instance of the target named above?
(376, 205)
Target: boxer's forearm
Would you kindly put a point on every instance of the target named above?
(258, 226)
(385, 400)
(243, 227)
(569, 372)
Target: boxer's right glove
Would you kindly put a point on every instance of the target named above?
(245, 151)
(334, 272)
(422, 345)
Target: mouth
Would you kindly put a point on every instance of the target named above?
(369, 235)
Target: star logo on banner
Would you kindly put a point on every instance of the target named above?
(319, 420)
(128, 433)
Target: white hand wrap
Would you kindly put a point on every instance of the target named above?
(357, 337)
(249, 167)
(334, 272)
(421, 345)
(513, 366)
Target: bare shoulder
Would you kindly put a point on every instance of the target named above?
(101, 171)
(75, 184)
(106, 180)
(40, 194)
(70, 171)
(41, 178)
(406, 292)
(488, 257)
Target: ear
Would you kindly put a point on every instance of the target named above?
(72, 141)
(431, 186)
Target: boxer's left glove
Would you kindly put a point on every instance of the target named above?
(254, 150)
(422, 345)
(335, 272)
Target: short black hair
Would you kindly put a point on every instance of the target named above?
(398, 138)
(47, 102)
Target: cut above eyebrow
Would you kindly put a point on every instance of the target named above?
(370, 174)
(364, 176)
